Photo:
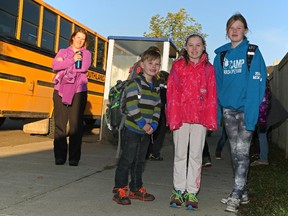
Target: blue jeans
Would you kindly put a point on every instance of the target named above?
(222, 140)
(158, 137)
(263, 143)
(134, 149)
(240, 140)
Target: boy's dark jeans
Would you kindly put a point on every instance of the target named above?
(134, 148)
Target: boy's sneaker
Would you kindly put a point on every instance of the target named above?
(176, 199)
(141, 194)
(232, 205)
(206, 162)
(191, 201)
(244, 200)
(120, 196)
(218, 155)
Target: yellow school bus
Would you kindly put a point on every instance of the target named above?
(31, 33)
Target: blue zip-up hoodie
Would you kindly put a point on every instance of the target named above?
(238, 88)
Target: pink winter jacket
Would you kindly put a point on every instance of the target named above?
(69, 80)
(191, 94)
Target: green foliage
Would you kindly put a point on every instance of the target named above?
(268, 188)
(177, 26)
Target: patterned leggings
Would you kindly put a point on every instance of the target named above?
(239, 139)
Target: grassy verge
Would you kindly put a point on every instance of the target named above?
(268, 187)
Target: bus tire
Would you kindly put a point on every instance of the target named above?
(90, 122)
(51, 127)
(2, 119)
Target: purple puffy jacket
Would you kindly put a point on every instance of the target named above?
(265, 106)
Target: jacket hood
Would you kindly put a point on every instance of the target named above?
(204, 58)
(242, 46)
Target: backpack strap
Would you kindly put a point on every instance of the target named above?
(222, 56)
(249, 55)
(137, 80)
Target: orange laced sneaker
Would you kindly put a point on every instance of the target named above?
(120, 196)
(141, 194)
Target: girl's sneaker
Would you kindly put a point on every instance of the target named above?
(232, 205)
(259, 162)
(176, 199)
(244, 199)
(191, 201)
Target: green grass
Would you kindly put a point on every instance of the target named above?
(268, 187)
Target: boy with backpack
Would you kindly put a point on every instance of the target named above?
(143, 113)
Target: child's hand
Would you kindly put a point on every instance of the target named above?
(148, 129)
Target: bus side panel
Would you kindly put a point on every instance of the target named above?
(24, 94)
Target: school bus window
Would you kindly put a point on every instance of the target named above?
(10, 7)
(91, 45)
(30, 22)
(65, 32)
(8, 17)
(63, 43)
(100, 54)
(49, 29)
(76, 27)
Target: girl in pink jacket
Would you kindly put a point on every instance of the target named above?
(191, 111)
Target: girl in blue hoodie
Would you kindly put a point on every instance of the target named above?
(240, 92)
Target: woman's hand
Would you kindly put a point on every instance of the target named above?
(59, 59)
(78, 56)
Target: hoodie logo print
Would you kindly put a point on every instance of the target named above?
(233, 67)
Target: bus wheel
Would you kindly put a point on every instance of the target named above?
(2, 119)
(51, 127)
(90, 122)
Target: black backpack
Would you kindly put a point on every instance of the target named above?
(116, 108)
(116, 112)
(249, 55)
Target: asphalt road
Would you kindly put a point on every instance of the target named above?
(31, 184)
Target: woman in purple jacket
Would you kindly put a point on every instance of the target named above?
(70, 97)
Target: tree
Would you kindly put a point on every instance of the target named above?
(176, 26)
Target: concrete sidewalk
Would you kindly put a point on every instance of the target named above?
(31, 185)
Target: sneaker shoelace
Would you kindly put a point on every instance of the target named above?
(191, 197)
(177, 196)
(122, 192)
(143, 190)
(233, 201)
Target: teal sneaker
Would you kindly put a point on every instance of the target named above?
(176, 199)
(191, 201)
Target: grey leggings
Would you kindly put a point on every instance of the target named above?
(239, 139)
